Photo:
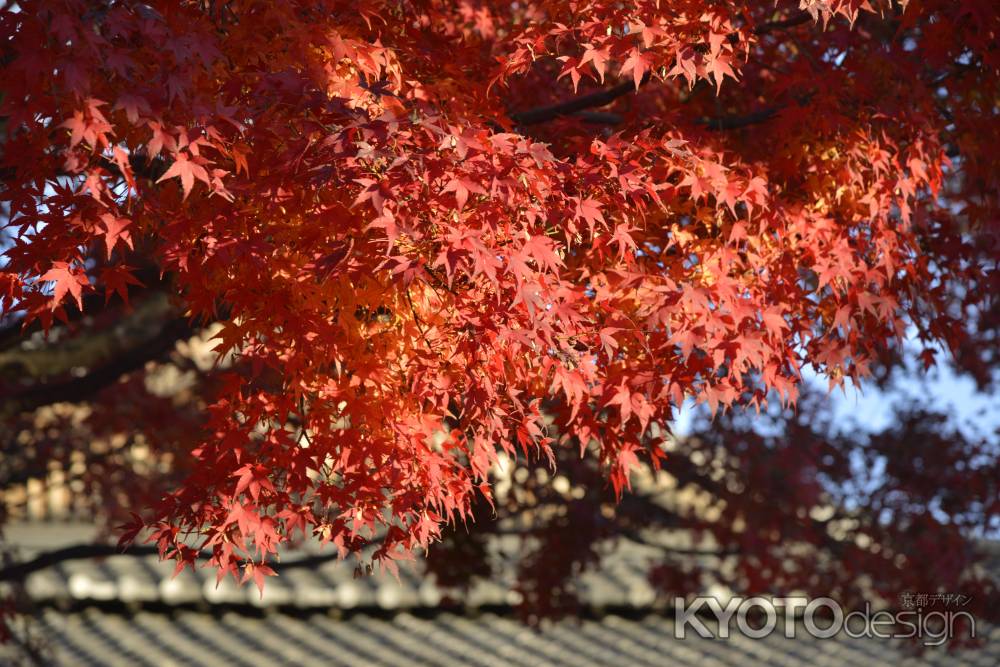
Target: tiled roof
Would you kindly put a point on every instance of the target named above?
(127, 610)
(95, 637)
(621, 582)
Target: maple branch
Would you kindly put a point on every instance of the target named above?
(416, 319)
(604, 97)
(13, 331)
(47, 559)
(773, 26)
(18, 398)
(19, 571)
(438, 281)
(599, 98)
(734, 122)
(599, 117)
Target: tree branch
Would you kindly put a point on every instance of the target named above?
(604, 97)
(590, 100)
(599, 117)
(12, 330)
(19, 571)
(17, 397)
(737, 122)
(774, 26)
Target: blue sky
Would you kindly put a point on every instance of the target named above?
(941, 388)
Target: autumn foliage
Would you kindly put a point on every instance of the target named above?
(432, 233)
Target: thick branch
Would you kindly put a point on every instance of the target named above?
(19, 571)
(599, 117)
(18, 398)
(774, 26)
(737, 122)
(596, 99)
(13, 331)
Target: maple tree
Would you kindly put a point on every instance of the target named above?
(431, 235)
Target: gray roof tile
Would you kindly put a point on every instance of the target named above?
(394, 623)
(96, 637)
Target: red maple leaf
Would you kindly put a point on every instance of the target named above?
(187, 171)
(67, 279)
